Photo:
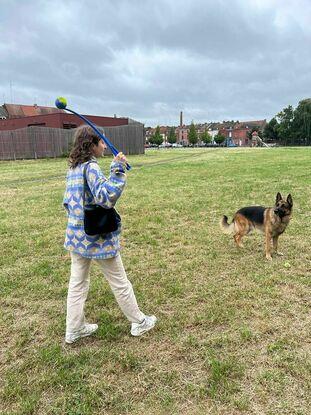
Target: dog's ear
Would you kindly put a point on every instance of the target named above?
(278, 197)
(290, 200)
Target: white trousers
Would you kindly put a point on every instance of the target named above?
(79, 286)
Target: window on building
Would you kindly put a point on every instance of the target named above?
(69, 126)
(38, 124)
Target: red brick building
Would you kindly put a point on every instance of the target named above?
(182, 134)
(14, 117)
(34, 132)
(237, 131)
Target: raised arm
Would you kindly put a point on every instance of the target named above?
(105, 191)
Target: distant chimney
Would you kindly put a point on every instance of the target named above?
(115, 115)
(181, 121)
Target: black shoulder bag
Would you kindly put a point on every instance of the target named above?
(98, 220)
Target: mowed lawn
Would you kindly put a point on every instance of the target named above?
(233, 335)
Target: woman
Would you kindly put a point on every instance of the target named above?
(103, 249)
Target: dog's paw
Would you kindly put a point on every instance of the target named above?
(269, 257)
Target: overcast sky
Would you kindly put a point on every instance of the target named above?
(150, 59)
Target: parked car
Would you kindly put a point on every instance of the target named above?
(152, 146)
(176, 145)
(165, 145)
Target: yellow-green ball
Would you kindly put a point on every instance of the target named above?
(61, 103)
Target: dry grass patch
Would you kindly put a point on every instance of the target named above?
(234, 330)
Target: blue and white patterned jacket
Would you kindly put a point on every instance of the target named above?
(99, 190)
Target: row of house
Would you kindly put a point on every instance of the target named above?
(235, 131)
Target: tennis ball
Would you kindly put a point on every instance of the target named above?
(61, 103)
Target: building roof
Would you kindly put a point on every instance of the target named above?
(20, 111)
(239, 125)
(250, 124)
(215, 126)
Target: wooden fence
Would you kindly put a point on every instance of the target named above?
(41, 142)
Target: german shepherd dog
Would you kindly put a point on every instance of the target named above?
(272, 221)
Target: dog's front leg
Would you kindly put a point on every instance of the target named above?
(268, 245)
(275, 245)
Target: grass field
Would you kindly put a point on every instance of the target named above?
(233, 335)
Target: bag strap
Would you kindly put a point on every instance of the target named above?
(84, 182)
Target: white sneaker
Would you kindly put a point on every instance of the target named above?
(140, 328)
(87, 330)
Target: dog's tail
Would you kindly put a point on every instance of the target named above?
(225, 226)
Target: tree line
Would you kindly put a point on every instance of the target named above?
(291, 126)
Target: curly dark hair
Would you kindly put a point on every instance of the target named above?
(84, 137)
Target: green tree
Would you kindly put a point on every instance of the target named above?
(285, 128)
(206, 137)
(151, 139)
(193, 136)
(171, 136)
(271, 130)
(301, 126)
(156, 138)
(219, 138)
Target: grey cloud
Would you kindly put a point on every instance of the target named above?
(149, 60)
